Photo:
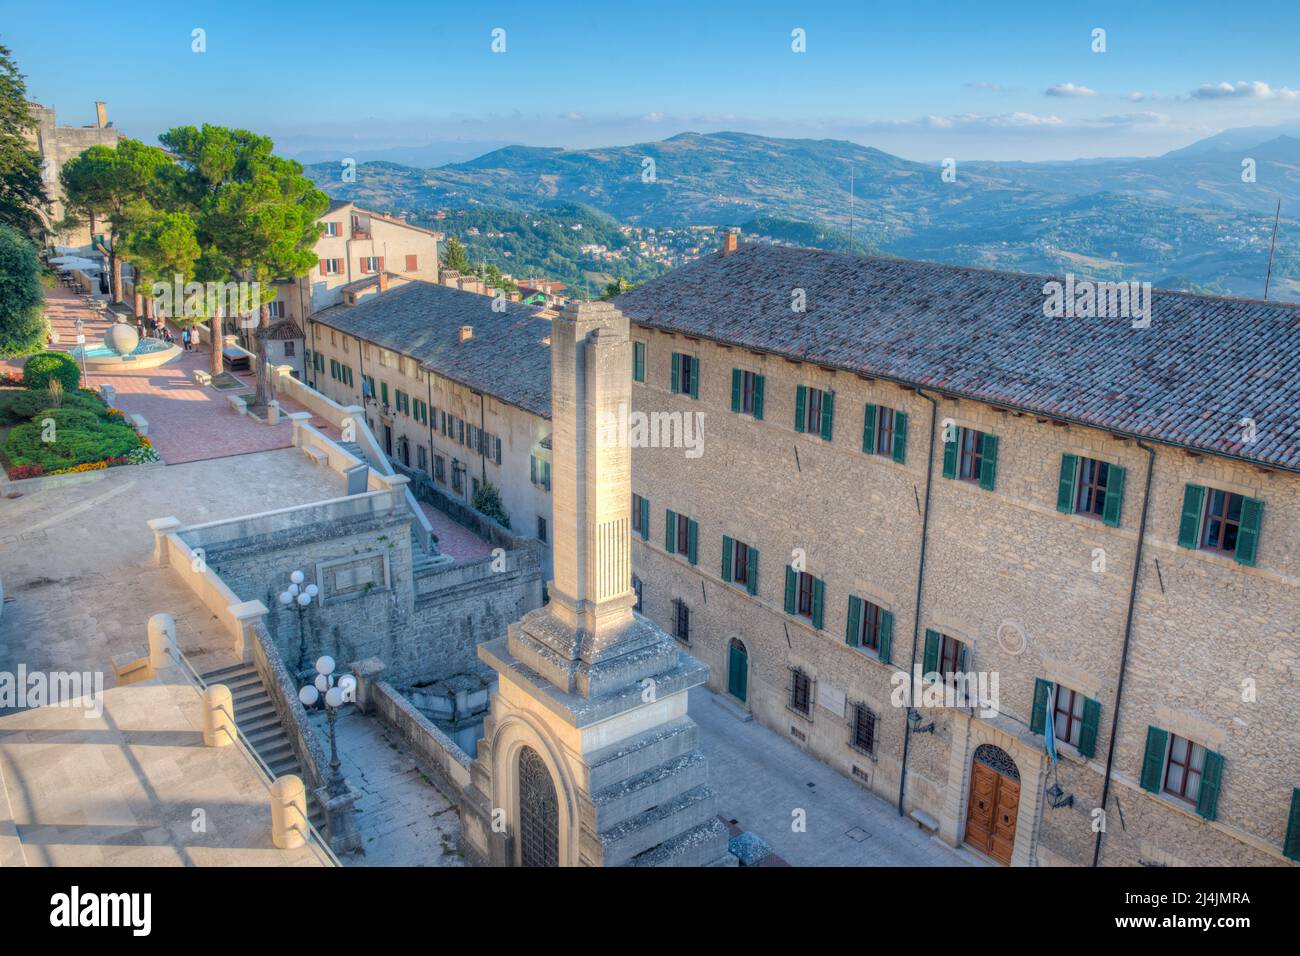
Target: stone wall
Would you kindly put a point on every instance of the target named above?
(1008, 575)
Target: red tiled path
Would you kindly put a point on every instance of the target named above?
(187, 422)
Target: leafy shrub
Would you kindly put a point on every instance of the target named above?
(43, 366)
(79, 437)
(23, 406)
(488, 501)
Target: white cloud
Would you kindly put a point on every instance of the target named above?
(1242, 90)
(976, 120)
(986, 86)
(1143, 118)
(1069, 90)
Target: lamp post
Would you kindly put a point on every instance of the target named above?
(299, 597)
(334, 693)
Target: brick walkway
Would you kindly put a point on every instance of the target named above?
(453, 539)
(187, 422)
(763, 779)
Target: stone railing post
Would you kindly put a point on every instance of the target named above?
(218, 716)
(368, 673)
(298, 419)
(247, 615)
(161, 527)
(162, 635)
(288, 812)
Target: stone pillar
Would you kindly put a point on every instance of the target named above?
(368, 673)
(288, 812)
(273, 412)
(218, 716)
(246, 614)
(162, 635)
(298, 419)
(161, 528)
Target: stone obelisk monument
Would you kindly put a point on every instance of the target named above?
(588, 756)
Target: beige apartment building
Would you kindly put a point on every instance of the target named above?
(907, 467)
(355, 248)
(455, 384)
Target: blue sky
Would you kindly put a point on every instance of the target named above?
(983, 80)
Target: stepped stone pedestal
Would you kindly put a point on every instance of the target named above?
(588, 756)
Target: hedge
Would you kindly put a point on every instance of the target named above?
(43, 366)
(79, 437)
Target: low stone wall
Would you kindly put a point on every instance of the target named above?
(424, 489)
(448, 763)
(370, 504)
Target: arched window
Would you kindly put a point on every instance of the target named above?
(539, 812)
(997, 759)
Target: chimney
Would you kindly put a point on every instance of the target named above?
(466, 333)
(383, 282)
(730, 241)
(101, 114)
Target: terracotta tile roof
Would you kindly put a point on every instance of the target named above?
(506, 357)
(1204, 364)
(284, 329)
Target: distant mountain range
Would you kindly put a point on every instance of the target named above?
(1182, 220)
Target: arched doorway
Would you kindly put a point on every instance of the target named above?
(737, 670)
(994, 803)
(539, 812)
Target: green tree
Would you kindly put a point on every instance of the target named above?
(487, 500)
(118, 185)
(454, 258)
(22, 324)
(22, 193)
(617, 287)
(255, 217)
(164, 249)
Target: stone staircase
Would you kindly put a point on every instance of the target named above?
(258, 721)
(421, 560)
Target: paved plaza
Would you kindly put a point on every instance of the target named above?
(763, 779)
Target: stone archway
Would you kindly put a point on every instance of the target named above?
(539, 812)
(994, 804)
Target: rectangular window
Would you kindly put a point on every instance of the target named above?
(800, 692)
(439, 469)
(1183, 769)
(683, 534)
(331, 267)
(944, 657)
(638, 361)
(638, 509)
(950, 657)
(864, 730)
(1090, 496)
(804, 607)
(412, 263)
(330, 229)
(1067, 709)
(275, 310)
(1222, 521)
(884, 430)
(288, 350)
(422, 457)
(636, 589)
(813, 411)
(747, 393)
(681, 621)
(541, 529)
(457, 476)
(686, 375)
(740, 562)
(869, 629)
(971, 455)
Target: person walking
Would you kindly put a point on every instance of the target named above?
(185, 339)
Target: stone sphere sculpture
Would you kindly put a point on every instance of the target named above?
(121, 338)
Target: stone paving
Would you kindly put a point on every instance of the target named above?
(77, 559)
(402, 818)
(453, 539)
(763, 778)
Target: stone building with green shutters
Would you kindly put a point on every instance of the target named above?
(931, 527)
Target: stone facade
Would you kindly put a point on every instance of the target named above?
(1020, 584)
(455, 466)
(57, 145)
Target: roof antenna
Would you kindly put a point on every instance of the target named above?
(1271, 246)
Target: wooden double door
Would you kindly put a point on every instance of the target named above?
(994, 805)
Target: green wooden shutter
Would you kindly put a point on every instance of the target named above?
(638, 361)
(670, 533)
(854, 623)
(828, 414)
(950, 454)
(1038, 716)
(1065, 485)
(1207, 803)
(1252, 510)
(695, 376)
(677, 370)
(869, 429)
(818, 599)
(989, 464)
(1153, 762)
(791, 582)
(735, 389)
(886, 637)
(1088, 733)
(1114, 497)
(900, 437)
(645, 519)
(751, 570)
(800, 404)
(1190, 525)
(930, 659)
(532, 468)
(384, 387)
(961, 658)
(758, 397)
(726, 558)
(692, 541)
(1291, 846)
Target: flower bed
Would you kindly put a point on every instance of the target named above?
(78, 434)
